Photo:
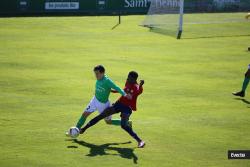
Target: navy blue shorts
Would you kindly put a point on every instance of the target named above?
(123, 109)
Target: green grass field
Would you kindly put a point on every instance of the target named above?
(186, 114)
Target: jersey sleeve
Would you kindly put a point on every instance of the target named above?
(140, 90)
(115, 87)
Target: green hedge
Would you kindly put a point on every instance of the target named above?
(99, 7)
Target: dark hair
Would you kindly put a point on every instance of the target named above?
(133, 74)
(99, 68)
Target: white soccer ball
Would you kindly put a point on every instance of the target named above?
(74, 132)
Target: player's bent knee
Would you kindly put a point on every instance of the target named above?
(124, 125)
(86, 114)
(247, 74)
(109, 122)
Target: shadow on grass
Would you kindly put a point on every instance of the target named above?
(100, 150)
(115, 26)
(163, 31)
(243, 100)
(217, 36)
(173, 33)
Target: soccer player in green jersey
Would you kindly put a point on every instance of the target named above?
(245, 84)
(100, 100)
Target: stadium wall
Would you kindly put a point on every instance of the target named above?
(110, 7)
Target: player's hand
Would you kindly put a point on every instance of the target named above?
(128, 96)
(141, 82)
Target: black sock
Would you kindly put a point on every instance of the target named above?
(91, 123)
(107, 112)
(128, 129)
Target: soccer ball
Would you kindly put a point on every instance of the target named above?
(74, 132)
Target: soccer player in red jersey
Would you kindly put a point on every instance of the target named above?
(123, 105)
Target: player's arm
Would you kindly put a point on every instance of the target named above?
(107, 112)
(140, 87)
(116, 88)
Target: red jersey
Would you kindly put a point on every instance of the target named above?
(134, 90)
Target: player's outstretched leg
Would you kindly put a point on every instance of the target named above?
(127, 128)
(109, 120)
(80, 122)
(117, 122)
(107, 112)
(244, 85)
(82, 119)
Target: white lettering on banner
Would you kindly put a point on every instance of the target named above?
(157, 3)
(166, 3)
(61, 5)
(135, 3)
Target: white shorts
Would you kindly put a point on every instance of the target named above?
(95, 104)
